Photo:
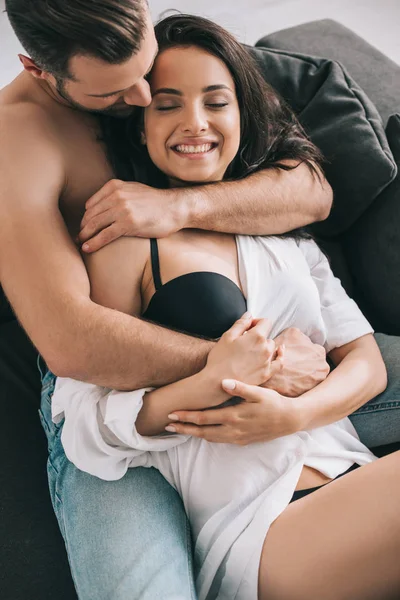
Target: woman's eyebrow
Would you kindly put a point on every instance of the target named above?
(167, 91)
(209, 88)
(218, 86)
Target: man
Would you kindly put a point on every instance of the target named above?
(126, 539)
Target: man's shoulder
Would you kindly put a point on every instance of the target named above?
(31, 158)
(25, 117)
(28, 135)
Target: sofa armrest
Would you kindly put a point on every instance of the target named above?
(374, 72)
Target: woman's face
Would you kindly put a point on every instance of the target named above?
(192, 126)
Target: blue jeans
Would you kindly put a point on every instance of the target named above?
(126, 539)
(130, 539)
(378, 421)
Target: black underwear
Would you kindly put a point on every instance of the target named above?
(300, 493)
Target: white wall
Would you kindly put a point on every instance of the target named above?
(378, 21)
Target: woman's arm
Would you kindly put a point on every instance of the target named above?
(266, 415)
(360, 375)
(192, 393)
(250, 357)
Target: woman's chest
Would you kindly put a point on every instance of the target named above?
(278, 285)
(191, 251)
(289, 298)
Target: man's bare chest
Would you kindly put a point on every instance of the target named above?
(87, 169)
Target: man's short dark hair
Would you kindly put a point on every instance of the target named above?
(53, 31)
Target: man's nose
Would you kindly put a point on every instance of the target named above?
(139, 95)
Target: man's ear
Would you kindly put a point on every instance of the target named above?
(143, 139)
(31, 67)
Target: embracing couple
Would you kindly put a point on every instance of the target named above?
(183, 317)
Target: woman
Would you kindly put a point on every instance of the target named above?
(211, 118)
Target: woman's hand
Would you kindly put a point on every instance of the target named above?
(244, 352)
(132, 209)
(264, 415)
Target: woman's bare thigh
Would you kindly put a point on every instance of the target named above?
(341, 542)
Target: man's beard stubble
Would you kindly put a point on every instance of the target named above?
(111, 111)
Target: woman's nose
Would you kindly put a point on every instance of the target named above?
(139, 95)
(194, 121)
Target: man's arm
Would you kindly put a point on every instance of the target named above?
(46, 282)
(271, 201)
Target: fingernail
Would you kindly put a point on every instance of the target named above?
(85, 247)
(229, 384)
(246, 315)
(173, 417)
(170, 428)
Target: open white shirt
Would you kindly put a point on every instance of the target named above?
(231, 493)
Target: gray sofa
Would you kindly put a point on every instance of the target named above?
(362, 234)
(362, 239)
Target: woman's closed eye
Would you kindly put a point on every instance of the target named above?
(217, 104)
(213, 105)
(165, 108)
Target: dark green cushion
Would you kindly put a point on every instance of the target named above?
(342, 122)
(374, 72)
(373, 250)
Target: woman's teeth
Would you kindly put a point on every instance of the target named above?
(185, 149)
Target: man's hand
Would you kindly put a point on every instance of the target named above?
(264, 415)
(131, 209)
(304, 366)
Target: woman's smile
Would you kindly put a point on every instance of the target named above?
(195, 151)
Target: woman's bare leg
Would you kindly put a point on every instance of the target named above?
(341, 542)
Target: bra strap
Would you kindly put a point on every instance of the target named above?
(155, 264)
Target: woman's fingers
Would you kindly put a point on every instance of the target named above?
(211, 433)
(251, 393)
(262, 327)
(264, 415)
(202, 418)
(239, 327)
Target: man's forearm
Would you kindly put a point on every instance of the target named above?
(268, 202)
(115, 350)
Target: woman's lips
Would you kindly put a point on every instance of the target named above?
(194, 151)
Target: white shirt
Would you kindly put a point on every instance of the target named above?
(231, 493)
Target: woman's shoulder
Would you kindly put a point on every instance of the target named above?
(312, 252)
(124, 250)
(282, 253)
(275, 245)
(116, 271)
